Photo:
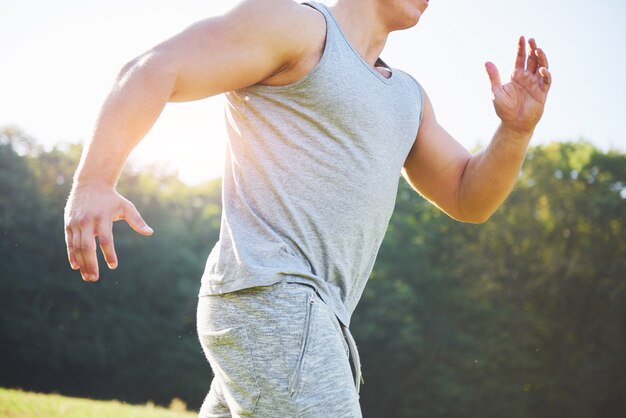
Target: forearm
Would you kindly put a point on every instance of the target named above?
(490, 175)
(140, 93)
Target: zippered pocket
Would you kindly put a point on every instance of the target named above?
(306, 335)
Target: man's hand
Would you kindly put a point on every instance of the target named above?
(90, 213)
(471, 187)
(520, 102)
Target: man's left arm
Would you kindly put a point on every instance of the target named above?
(469, 187)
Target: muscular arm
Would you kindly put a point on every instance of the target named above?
(255, 42)
(471, 187)
(213, 56)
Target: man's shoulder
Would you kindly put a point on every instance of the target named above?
(279, 15)
(293, 30)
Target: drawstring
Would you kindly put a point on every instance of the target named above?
(356, 360)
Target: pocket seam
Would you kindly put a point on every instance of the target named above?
(221, 338)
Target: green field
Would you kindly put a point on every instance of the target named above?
(19, 404)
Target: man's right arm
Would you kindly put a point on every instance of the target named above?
(252, 43)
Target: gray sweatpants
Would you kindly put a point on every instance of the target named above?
(276, 351)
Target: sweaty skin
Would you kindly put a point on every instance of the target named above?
(277, 42)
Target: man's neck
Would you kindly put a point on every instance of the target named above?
(361, 23)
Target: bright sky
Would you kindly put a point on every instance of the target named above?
(59, 59)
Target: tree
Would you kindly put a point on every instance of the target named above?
(522, 316)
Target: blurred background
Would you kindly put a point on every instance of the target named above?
(524, 316)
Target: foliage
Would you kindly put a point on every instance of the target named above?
(522, 316)
(137, 324)
(18, 404)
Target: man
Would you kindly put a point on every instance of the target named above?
(319, 130)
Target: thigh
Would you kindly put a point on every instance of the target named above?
(275, 351)
(228, 328)
(214, 405)
(326, 385)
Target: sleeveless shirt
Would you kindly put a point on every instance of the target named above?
(311, 176)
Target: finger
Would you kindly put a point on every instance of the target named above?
(105, 240)
(494, 77)
(131, 215)
(521, 54)
(89, 266)
(531, 62)
(542, 59)
(546, 78)
(69, 244)
(78, 253)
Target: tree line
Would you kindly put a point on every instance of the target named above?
(523, 316)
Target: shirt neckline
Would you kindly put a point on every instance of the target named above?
(369, 67)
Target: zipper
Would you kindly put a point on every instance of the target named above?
(296, 378)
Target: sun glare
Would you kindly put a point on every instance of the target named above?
(189, 139)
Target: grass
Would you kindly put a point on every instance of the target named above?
(19, 404)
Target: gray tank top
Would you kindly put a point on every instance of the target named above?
(311, 176)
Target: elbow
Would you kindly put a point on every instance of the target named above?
(131, 66)
(475, 217)
(463, 215)
(134, 68)
(152, 70)
(144, 65)
(475, 208)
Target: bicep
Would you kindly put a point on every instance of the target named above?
(228, 52)
(435, 164)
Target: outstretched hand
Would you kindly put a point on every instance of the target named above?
(90, 213)
(520, 102)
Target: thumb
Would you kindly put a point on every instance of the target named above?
(494, 76)
(131, 215)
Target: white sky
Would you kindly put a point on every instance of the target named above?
(58, 60)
